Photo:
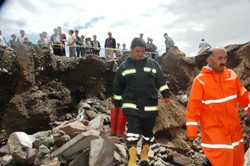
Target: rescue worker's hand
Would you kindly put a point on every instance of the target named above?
(167, 100)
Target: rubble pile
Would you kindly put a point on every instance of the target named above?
(55, 110)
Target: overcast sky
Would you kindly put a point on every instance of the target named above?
(219, 22)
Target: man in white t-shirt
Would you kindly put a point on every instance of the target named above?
(72, 44)
(2, 42)
(56, 43)
(20, 39)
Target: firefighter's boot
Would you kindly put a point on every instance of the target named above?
(114, 119)
(132, 155)
(121, 123)
(144, 155)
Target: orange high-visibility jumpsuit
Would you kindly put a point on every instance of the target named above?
(213, 104)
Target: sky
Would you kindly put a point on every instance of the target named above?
(219, 22)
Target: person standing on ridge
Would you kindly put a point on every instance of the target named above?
(168, 42)
(63, 38)
(20, 39)
(203, 45)
(72, 44)
(110, 45)
(96, 46)
(78, 43)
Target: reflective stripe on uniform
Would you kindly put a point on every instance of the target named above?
(246, 108)
(219, 100)
(147, 69)
(132, 137)
(221, 146)
(149, 139)
(164, 87)
(117, 97)
(192, 123)
(129, 105)
(151, 108)
(129, 71)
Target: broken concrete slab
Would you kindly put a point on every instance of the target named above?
(73, 147)
(81, 159)
(74, 127)
(97, 123)
(101, 153)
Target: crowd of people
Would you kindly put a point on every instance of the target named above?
(14, 42)
(79, 45)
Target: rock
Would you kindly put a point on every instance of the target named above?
(179, 159)
(81, 159)
(32, 155)
(101, 153)
(97, 123)
(6, 160)
(74, 127)
(171, 115)
(69, 150)
(182, 69)
(60, 138)
(120, 155)
(247, 158)
(19, 144)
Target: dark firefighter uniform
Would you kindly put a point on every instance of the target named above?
(135, 90)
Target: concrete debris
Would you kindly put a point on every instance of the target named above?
(65, 104)
(101, 153)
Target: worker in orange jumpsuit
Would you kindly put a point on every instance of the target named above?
(213, 104)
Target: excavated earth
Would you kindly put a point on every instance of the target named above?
(38, 90)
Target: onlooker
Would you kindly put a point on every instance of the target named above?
(168, 42)
(88, 46)
(124, 47)
(20, 39)
(26, 41)
(56, 43)
(96, 46)
(83, 49)
(148, 47)
(40, 40)
(118, 52)
(203, 46)
(2, 41)
(213, 104)
(43, 41)
(153, 49)
(63, 38)
(110, 45)
(141, 35)
(135, 94)
(125, 51)
(13, 43)
(78, 43)
(72, 44)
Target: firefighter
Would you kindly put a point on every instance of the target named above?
(135, 91)
(213, 104)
